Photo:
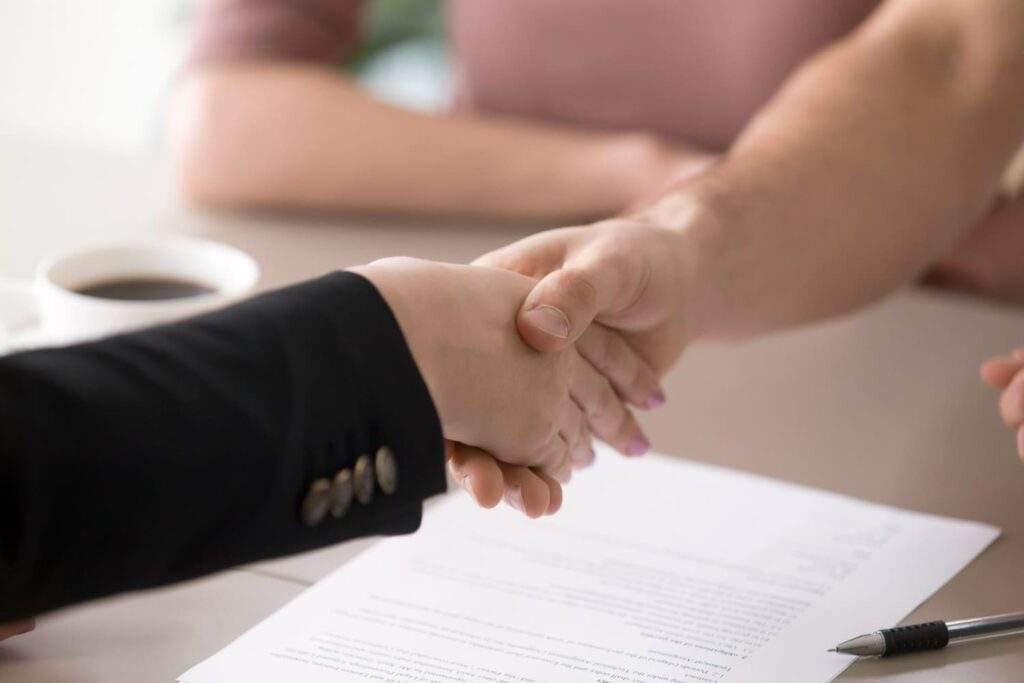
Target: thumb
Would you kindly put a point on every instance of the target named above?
(564, 303)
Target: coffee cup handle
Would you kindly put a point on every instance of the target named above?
(19, 316)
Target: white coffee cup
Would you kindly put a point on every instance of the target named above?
(55, 311)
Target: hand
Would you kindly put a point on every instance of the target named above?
(491, 391)
(489, 481)
(990, 261)
(16, 628)
(626, 274)
(1006, 373)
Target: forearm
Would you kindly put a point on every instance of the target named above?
(164, 454)
(299, 135)
(870, 162)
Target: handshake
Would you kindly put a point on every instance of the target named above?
(519, 409)
(602, 312)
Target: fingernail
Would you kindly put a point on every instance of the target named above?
(638, 446)
(655, 399)
(514, 497)
(549, 319)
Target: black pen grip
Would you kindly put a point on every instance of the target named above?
(901, 640)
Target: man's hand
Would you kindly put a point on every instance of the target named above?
(1006, 373)
(626, 274)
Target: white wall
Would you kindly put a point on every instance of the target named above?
(89, 72)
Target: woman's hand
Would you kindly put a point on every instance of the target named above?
(1006, 373)
(489, 481)
(491, 390)
(16, 628)
(990, 260)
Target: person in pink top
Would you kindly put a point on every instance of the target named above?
(750, 165)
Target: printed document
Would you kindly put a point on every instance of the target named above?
(656, 569)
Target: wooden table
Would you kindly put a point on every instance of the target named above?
(884, 405)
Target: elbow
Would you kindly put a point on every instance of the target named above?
(193, 157)
(213, 146)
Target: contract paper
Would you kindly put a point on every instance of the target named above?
(657, 569)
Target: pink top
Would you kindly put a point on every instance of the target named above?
(693, 70)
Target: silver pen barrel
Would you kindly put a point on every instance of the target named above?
(964, 630)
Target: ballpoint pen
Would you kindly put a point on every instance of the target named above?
(932, 635)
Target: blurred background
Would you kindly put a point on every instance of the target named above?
(97, 73)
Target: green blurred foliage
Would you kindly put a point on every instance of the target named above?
(391, 22)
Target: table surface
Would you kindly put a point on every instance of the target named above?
(884, 405)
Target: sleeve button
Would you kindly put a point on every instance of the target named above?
(363, 483)
(387, 470)
(341, 493)
(316, 502)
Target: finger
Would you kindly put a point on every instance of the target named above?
(525, 490)
(608, 418)
(562, 471)
(553, 455)
(1020, 443)
(582, 454)
(554, 493)
(534, 256)
(558, 456)
(1011, 402)
(581, 449)
(997, 372)
(449, 449)
(633, 379)
(598, 280)
(576, 433)
(477, 472)
(16, 628)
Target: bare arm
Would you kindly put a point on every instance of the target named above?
(873, 159)
(265, 133)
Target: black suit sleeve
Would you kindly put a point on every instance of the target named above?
(165, 454)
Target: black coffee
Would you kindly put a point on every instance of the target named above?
(144, 289)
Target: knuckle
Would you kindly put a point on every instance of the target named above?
(639, 378)
(396, 262)
(544, 429)
(576, 287)
(626, 424)
(606, 403)
(608, 355)
(612, 257)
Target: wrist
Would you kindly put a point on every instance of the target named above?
(395, 279)
(699, 251)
